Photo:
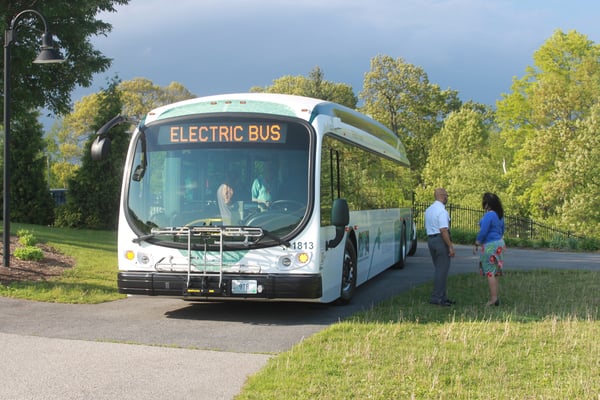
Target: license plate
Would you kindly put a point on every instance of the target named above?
(243, 286)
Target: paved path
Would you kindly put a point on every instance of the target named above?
(186, 350)
(46, 368)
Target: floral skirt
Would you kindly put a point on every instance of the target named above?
(491, 259)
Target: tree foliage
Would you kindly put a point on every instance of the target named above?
(314, 85)
(548, 121)
(400, 96)
(66, 140)
(466, 157)
(94, 190)
(73, 23)
(34, 86)
(30, 199)
(140, 95)
(579, 176)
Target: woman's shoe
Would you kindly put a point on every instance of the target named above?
(495, 303)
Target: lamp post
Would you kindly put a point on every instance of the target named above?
(48, 54)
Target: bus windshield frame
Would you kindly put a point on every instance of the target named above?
(253, 171)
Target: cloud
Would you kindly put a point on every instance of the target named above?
(211, 46)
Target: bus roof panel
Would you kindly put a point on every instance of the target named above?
(276, 104)
(227, 106)
(360, 121)
(287, 105)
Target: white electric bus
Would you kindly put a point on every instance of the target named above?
(260, 196)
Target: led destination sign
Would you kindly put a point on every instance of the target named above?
(224, 133)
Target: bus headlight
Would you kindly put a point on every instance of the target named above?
(302, 259)
(143, 258)
(293, 261)
(286, 262)
(129, 255)
(140, 257)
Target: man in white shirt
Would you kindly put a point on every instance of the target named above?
(437, 225)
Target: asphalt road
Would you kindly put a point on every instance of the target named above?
(157, 348)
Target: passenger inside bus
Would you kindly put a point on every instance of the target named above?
(229, 215)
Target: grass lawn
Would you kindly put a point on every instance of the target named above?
(541, 343)
(94, 278)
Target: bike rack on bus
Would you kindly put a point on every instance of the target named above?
(215, 232)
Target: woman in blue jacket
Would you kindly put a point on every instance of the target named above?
(490, 238)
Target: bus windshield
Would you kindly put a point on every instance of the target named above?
(234, 172)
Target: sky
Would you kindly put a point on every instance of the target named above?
(475, 47)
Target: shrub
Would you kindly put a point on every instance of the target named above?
(26, 238)
(67, 218)
(29, 253)
(589, 244)
(463, 236)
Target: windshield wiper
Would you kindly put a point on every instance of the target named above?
(142, 238)
(158, 231)
(267, 234)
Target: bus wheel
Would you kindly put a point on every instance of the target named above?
(403, 253)
(413, 242)
(348, 274)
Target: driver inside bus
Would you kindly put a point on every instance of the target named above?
(263, 187)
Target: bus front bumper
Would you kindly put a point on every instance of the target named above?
(243, 286)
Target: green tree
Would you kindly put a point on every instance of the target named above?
(546, 121)
(30, 199)
(94, 190)
(66, 140)
(400, 96)
(33, 86)
(315, 86)
(578, 175)
(140, 95)
(73, 23)
(465, 158)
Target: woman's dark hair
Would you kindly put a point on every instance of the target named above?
(491, 201)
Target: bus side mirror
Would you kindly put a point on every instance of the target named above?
(340, 218)
(101, 145)
(100, 148)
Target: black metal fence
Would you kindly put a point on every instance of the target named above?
(467, 219)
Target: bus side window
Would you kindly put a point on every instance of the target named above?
(329, 182)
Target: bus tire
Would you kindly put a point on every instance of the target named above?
(413, 242)
(348, 274)
(403, 253)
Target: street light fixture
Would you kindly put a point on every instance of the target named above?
(48, 54)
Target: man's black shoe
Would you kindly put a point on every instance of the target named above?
(441, 303)
(450, 301)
